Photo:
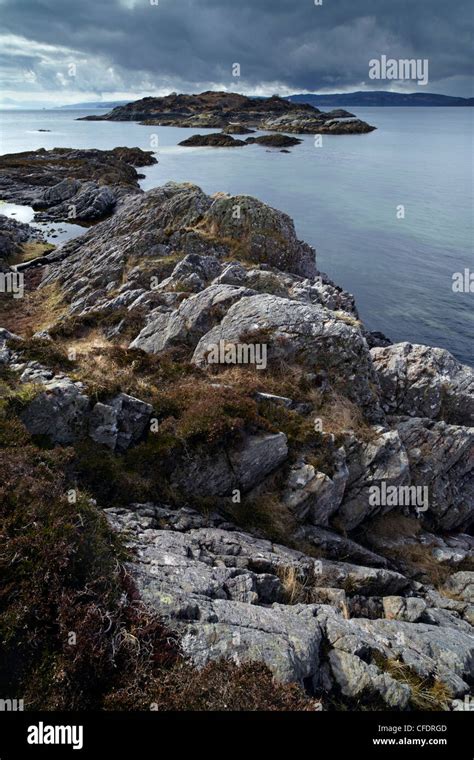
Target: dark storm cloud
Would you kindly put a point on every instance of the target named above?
(191, 44)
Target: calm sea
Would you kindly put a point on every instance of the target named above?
(345, 199)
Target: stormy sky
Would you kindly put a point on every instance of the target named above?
(66, 51)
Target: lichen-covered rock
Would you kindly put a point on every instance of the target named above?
(430, 651)
(216, 586)
(190, 321)
(287, 641)
(367, 599)
(314, 496)
(120, 422)
(425, 382)
(381, 460)
(409, 609)
(357, 679)
(304, 332)
(59, 411)
(370, 581)
(262, 234)
(461, 585)
(226, 593)
(441, 460)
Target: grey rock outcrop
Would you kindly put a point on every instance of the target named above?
(222, 109)
(380, 460)
(441, 459)
(217, 474)
(12, 235)
(301, 331)
(227, 595)
(190, 321)
(425, 382)
(373, 602)
(42, 179)
(120, 423)
(61, 410)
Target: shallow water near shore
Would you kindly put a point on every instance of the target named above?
(343, 197)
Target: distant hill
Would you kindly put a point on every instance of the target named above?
(96, 104)
(380, 98)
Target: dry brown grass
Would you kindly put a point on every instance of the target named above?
(32, 250)
(221, 685)
(427, 694)
(394, 525)
(297, 589)
(396, 536)
(340, 415)
(35, 311)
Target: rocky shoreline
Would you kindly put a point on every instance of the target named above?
(81, 186)
(311, 512)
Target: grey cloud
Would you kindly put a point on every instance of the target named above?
(293, 44)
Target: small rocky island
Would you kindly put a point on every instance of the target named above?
(230, 111)
(224, 140)
(287, 530)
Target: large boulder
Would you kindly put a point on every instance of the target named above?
(260, 234)
(425, 382)
(303, 332)
(59, 411)
(441, 460)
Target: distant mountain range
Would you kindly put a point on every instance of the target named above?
(362, 98)
(380, 98)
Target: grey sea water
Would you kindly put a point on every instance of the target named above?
(343, 197)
